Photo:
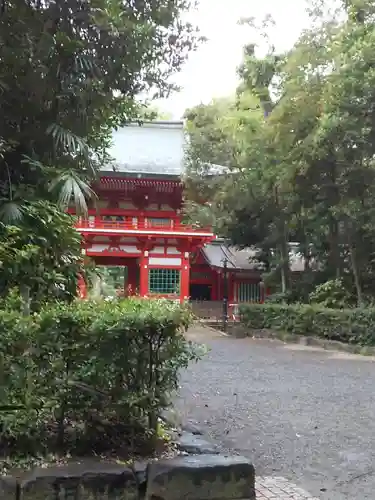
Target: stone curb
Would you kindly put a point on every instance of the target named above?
(266, 488)
(210, 325)
(240, 331)
(328, 345)
(201, 477)
(199, 472)
(193, 477)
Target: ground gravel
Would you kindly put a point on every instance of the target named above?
(299, 412)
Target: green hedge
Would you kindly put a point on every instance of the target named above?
(353, 326)
(89, 373)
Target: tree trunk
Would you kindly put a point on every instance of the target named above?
(306, 252)
(283, 280)
(283, 246)
(356, 274)
(334, 249)
(332, 200)
(356, 279)
(25, 296)
(285, 267)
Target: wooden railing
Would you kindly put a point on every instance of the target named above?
(135, 224)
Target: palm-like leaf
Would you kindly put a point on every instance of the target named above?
(11, 212)
(72, 190)
(67, 140)
(71, 144)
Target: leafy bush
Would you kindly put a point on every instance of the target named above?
(354, 326)
(280, 298)
(89, 374)
(40, 256)
(331, 294)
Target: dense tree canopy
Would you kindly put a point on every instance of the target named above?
(43, 263)
(306, 172)
(70, 71)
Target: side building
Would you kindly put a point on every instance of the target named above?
(137, 223)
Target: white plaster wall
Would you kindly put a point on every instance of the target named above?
(101, 247)
(173, 251)
(157, 250)
(130, 249)
(164, 261)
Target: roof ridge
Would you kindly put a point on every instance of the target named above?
(226, 250)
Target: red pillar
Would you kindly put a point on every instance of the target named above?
(132, 284)
(219, 294)
(82, 289)
(143, 274)
(185, 277)
(231, 284)
(215, 285)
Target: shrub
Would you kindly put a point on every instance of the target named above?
(17, 376)
(90, 373)
(280, 298)
(332, 294)
(354, 326)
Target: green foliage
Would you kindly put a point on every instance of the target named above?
(306, 174)
(40, 255)
(331, 294)
(12, 301)
(219, 135)
(280, 298)
(70, 72)
(353, 326)
(105, 281)
(89, 377)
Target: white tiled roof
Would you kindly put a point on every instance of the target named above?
(151, 148)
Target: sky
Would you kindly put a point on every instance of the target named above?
(211, 71)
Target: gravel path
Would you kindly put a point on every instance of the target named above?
(301, 413)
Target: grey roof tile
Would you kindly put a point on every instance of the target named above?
(152, 148)
(155, 148)
(243, 259)
(216, 252)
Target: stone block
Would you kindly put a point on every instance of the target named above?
(8, 488)
(92, 480)
(192, 428)
(201, 477)
(140, 472)
(195, 445)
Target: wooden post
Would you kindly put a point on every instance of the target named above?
(82, 289)
(132, 284)
(225, 294)
(185, 277)
(231, 287)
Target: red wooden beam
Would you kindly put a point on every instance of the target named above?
(98, 226)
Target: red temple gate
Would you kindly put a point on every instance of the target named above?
(138, 226)
(136, 223)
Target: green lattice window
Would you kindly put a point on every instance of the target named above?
(249, 292)
(164, 281)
